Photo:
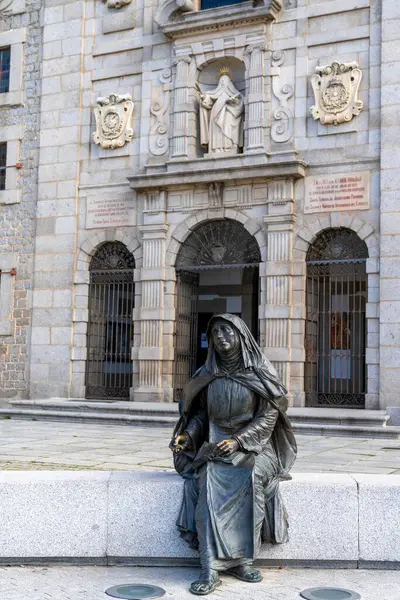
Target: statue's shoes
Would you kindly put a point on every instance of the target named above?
(245, 573)
(209, 580)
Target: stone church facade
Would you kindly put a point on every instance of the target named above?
(201, 158)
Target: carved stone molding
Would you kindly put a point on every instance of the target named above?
(113, 121)
(116, 3)
(178, 18)
(159, 131)
(335, 89)
(282, 126)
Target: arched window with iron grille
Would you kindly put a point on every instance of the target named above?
(110, 326)
(335, 341)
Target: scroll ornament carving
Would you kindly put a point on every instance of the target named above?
(335, 89)
(117, 3)
(5, 7)
(113, 121)
(282, 126)
(159, 131)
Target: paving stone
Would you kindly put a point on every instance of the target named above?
(38, 444)
(90, 583)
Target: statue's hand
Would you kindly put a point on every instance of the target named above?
(181, 442)
(226, 447)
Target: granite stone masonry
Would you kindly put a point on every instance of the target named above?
(108, 517)
(289, 218)
(21, 31)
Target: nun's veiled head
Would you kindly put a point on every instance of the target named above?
(225, 337)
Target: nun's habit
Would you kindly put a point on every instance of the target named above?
(233, 503)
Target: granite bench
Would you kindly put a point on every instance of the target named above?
(129, 517)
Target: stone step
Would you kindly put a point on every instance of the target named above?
(29, 410)
(332, 416)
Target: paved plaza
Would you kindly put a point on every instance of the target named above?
(40, 445)
(89, 583)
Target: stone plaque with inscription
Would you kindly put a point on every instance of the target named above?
(340, 192)
(105, 211)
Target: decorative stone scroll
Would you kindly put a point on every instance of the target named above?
(5, 7)
(335, 89)
(282, 126)
(117, 3)
(158, 143)
(167, 9)
(113, 121)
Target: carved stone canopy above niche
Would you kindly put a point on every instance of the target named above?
(180, 18)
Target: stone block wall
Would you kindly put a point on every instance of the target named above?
(92, 50)
(390, 209)
(17, 214)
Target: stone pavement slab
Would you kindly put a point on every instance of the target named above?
(90, 583)
(41, 445)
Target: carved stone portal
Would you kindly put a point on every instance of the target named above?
(336, 93)
(113, 121)
(116, 3)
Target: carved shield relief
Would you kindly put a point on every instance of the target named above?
(335, 89)
(113, 121)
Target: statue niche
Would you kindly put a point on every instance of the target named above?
(221, 117)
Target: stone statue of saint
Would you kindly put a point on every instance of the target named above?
(232, 445)
(221, 117)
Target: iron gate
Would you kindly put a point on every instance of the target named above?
(110, 327)
(186, 329)
(335, 373)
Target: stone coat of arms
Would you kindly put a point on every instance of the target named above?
(113, 121)
(336, 93)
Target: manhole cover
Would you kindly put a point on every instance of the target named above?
(135, 591)
(329, 593)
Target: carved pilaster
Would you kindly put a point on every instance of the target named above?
(181, 104)
(255, 98)
(278, 292)
(154, 311)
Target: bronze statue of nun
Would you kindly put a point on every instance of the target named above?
(232, 445)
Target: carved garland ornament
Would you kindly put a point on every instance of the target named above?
(113, 121)
(335, 89)
(116, 3)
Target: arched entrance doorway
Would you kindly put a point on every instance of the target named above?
(335, 373)
(110, 326)
(217, 271)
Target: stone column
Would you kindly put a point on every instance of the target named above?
(276, 285)
(389, 210)
(255, 120)
(155, 314)
(181, 146)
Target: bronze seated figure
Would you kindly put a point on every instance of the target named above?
(232, 445)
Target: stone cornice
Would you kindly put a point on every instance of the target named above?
(222, 17)
(234, 169)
